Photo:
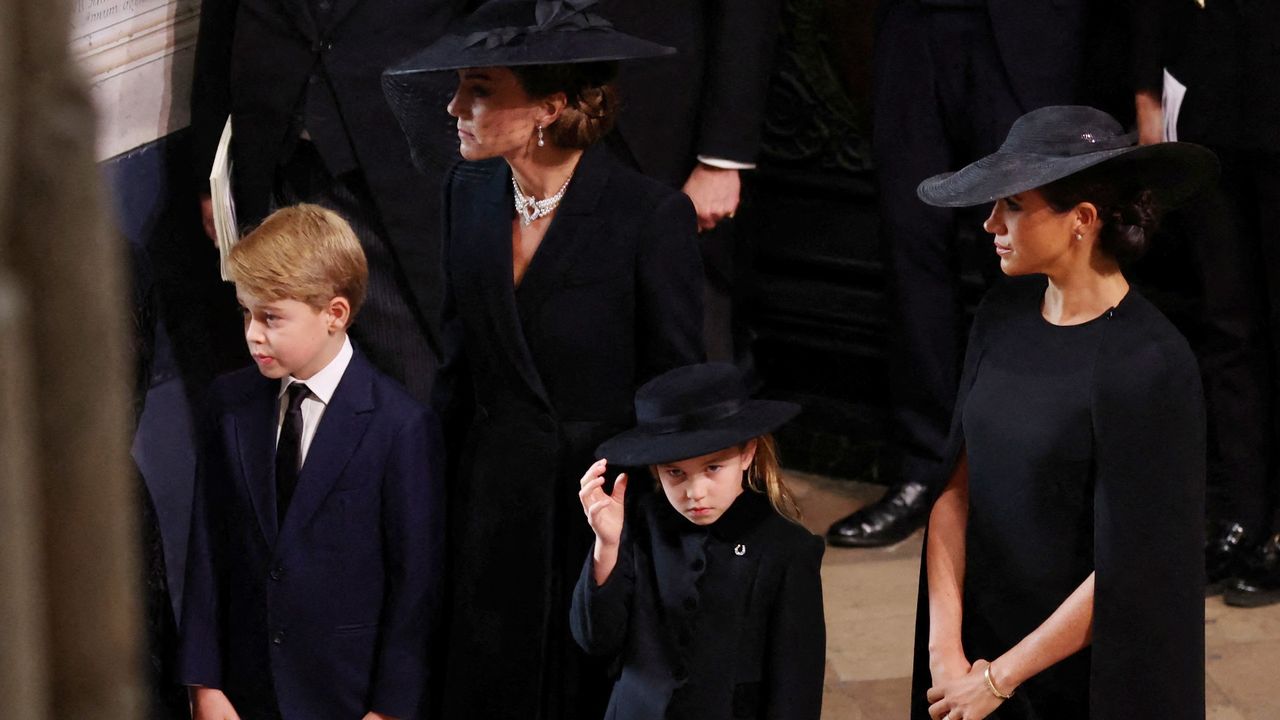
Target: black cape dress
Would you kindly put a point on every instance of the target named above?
(1086, 452)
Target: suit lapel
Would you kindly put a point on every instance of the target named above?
(255, 429)
(341, 428)
(490, 232)
(573, 225)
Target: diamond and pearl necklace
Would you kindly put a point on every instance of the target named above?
(530, 208)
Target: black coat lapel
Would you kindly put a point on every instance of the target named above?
(487, 232)
(255, 429)
(574, 224)
(341, 428)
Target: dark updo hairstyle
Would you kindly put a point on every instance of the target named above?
(1128, 212)
(592, 101)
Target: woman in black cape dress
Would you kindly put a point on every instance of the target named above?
(1067, 544)
(540, 367)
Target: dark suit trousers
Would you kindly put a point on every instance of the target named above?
(1235, 233)
(941, 99)
(388, 329)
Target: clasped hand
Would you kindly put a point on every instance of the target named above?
(962, 694)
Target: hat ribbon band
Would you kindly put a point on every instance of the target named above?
(693, 420)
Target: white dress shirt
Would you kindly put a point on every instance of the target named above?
(322, 385)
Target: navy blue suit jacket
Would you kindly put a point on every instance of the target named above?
(328, 616)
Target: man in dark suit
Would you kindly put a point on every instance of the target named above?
(694, 122)
(300, 80)
(950, 77)
(1224, 53)
(313, 571)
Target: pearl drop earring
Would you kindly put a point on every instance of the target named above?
(541, 141)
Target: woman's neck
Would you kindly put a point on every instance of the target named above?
(1078, 297)
(541, 172)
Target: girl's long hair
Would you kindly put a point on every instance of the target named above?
(765, 477)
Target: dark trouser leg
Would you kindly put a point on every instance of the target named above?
(387, 329)
(940, 100)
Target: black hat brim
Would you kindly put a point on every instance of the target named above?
(640, 446)
(1173, 171)
(452, 52)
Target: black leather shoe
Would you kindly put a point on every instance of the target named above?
(1259, 584)
(891, 519)
(1225, 550)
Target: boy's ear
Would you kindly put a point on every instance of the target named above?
(339, 309)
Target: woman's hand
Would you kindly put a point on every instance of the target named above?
(945, 668)
(963, 698)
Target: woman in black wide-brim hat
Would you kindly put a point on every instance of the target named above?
(571, 280)
(1062, 572)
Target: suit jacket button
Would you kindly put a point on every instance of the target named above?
(277, 572)
(277, 637)
(546, 424)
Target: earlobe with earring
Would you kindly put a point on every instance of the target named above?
(541, 141)
(1079, 236)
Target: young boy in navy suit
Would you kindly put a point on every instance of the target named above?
(314, 562)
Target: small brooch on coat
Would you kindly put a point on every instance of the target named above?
(740, 550)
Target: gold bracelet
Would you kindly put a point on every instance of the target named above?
(992, 686)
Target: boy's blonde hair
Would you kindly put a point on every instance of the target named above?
(305, 253)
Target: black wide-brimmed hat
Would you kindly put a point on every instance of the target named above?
(692, 411)
(1054, 142)
(500, 33)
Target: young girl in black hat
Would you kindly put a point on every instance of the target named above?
(710, 598)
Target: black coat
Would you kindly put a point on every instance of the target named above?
(723, 621)
(257, 59)
(611, 298)
(707, 100)
(328, 615)
(1129, 508)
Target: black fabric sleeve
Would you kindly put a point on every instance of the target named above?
(1149, 438)
(600, 615)
(669, 285)
(211, 85)
(1147, 28)
(742, 37)
(798, 640)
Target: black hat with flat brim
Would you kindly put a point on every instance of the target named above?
(691, 411)
(1055, 142)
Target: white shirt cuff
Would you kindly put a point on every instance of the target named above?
(725, 164)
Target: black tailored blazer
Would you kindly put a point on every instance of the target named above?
(709, 98)
(255, 60)
(330, 614)
(611, 298)
(713, 622)
(1041, 43)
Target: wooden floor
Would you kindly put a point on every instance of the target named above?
(870, 610)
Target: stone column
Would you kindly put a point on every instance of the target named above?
(69, 646)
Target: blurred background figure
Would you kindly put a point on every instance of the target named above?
(1224, 55)
(950, 77)
(301, 83)
(694, 122)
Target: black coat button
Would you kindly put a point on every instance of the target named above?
(277, 637)
(697, 565)
(325, 5)
(680, 674)
(691, 603)
(277, 572)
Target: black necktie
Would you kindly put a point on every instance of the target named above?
(289, 450)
